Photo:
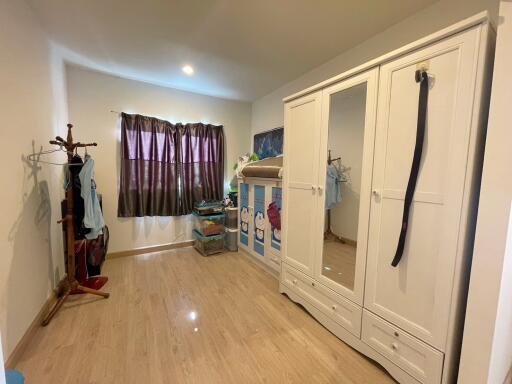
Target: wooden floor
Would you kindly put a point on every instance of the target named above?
(339, 262)
(178, 317)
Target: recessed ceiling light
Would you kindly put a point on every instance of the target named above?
(188, 70)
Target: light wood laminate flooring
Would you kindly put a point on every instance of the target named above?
(178, 317)
(339, 262)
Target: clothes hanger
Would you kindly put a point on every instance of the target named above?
(342, 170)
(35, 157)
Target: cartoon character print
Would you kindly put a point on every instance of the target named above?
(244, 217)
(259, 221)
(277, 234)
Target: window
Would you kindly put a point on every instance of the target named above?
(166, 168)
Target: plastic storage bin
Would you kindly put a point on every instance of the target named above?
(231, 217)
(208, 245)
(208, 208)
(231, 239)
(209, 225)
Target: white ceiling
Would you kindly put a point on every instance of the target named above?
(240, 49)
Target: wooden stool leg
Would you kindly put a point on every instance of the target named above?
(55, 308)
(93, 291)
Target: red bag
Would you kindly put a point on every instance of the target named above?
(274, 216)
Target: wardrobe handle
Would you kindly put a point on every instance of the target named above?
(394, 346)
(313, 187)
(333, 307)
(319, 189)
(375, 193)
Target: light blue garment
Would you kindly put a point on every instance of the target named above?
(93, 218)
(332, 187)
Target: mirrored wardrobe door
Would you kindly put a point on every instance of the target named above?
(348, 130)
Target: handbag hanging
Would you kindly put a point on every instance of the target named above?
(274, 216)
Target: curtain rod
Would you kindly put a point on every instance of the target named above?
(116, 112)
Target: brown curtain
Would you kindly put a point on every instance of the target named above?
(165, 168)
(202, 163)
(149, 167)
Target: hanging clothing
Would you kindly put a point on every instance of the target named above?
(96, 253)
(93, 217)
(332, 187)
(73, 177)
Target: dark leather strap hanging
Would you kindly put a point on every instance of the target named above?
(422, 78)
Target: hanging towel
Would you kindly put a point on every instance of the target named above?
(332, 187)
(93, 217)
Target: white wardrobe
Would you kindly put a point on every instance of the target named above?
(408, 318)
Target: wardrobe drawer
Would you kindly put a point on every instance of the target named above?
(415, 357)
(341, 310)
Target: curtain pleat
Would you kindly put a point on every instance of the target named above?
(166, 168)
(202, 163)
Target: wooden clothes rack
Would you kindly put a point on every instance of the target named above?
(329, 160)
(70, 284)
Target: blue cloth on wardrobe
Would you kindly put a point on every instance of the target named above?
(93, 217)
(332, 187)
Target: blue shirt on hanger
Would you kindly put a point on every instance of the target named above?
(93, 217)
(332, 187)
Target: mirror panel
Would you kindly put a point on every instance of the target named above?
(343, 164)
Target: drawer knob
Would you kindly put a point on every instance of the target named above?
(394, 346)
(313, 284)
(333, 307)
(396, 334)
(294, 281)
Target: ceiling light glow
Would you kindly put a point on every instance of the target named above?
(192, 315)
(188, 70)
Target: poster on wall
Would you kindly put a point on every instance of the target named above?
(269, 143)
(259, 219)
(244, 214)
(276, 233)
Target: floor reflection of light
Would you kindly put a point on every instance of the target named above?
(192, 315)
(196, 329)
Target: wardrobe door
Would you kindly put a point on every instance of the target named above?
(345, 170)
(416, 295)
(273, 239)
(300, 181)
(246, 216)
(259, 219)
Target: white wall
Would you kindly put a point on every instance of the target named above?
(91, 96)
(346, 139)
(487, 344)
(268, 111)
(32, 109)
